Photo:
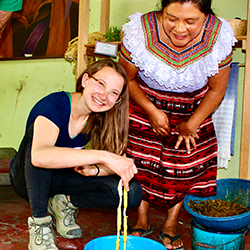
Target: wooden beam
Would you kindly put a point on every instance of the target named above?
(245, 136)
(83, 25)
(105, 10)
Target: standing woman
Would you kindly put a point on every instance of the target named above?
(54, 170)
(178, 63)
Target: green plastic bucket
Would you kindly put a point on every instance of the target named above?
(204, 239)
(133, 243)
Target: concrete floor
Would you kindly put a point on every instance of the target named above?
(14, 212)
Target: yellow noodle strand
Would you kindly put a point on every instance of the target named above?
(125, 218)
(119, 216)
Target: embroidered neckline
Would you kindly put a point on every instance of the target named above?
(179, 60)
(153, 63)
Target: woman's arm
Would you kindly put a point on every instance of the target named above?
(212, 99)
(135, 91)
(45, 154)
(94, 170)
(158, 119)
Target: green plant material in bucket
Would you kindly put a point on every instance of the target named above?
(218, 207)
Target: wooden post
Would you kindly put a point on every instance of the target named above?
(245, 136)
(105, 9)
(83, 24)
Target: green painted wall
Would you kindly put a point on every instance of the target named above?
(24, 82)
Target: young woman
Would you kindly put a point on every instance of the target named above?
(178, 62)
(52, 166)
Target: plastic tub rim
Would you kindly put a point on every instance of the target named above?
(113, 237)
(204, 217)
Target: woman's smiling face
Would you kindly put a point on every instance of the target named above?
(100, 90)
(182, 23)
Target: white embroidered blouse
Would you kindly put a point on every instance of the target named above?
(165, 69)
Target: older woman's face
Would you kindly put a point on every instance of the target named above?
(182, 23)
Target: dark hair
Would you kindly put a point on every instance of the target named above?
(108, 130)
(203, 5)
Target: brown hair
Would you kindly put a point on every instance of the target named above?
(108, 130)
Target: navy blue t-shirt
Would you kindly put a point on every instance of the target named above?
(57, 108)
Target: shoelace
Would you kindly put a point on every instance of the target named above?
(42, 237)
(70, 216)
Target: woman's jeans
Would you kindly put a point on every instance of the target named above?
(38, 184)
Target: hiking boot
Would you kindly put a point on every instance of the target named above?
(42, 236)
(65, 214)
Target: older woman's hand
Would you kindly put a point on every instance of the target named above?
(188, 135)
(159, 122)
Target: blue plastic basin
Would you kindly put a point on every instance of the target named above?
(133, 243)
(227, 190)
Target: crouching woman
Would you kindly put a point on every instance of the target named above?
(55, 170)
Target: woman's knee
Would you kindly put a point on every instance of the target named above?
(134, 194)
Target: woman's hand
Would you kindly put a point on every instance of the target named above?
(121, 165)
(114, 164)
(159, 122)
(88, 170)
(158, 119)
(110, 164)
(188, 135)
(211, 100)
(92, 170)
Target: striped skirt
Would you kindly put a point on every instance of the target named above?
(165, 173)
